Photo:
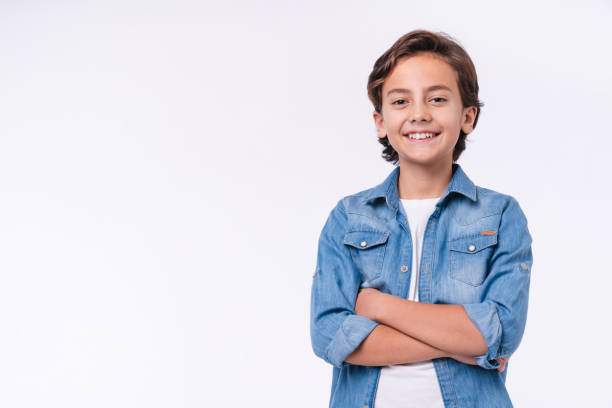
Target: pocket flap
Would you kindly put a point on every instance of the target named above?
(365, 239)
(472, 244)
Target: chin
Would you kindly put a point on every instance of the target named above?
(422, 160)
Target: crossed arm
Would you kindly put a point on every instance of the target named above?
(411, 331)
(368, 327)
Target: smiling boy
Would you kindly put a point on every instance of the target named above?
(420, 292)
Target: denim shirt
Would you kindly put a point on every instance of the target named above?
(476, 253)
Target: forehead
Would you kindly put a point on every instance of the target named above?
(418, 72)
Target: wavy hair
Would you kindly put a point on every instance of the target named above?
(444, 47)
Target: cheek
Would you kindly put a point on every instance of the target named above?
(452, 119)
(394, 123)
(452, 129)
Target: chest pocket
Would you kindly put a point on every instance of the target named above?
(469, 258)
(368, 251)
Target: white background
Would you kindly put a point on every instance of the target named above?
(166, 168)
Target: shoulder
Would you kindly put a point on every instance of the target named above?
(363, 210)
(496, 202)
(493, 198)
(356, 200)
(486, 203)
(369, 206)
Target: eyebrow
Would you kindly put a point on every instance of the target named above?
(428, 89)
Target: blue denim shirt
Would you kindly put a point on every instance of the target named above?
(476, 253)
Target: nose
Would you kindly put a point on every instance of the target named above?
(419, 113)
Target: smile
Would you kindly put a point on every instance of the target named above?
(422, 136)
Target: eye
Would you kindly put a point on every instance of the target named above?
(440, 98)
(398, 102)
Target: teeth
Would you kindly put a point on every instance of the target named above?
(420, 135)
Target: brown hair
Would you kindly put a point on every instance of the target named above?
(444, 47)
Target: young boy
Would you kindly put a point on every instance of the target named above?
(420, 291)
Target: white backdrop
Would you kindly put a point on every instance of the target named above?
(166, 168)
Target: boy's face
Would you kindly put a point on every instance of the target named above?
(408, 106)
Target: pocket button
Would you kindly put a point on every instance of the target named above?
(472, 248)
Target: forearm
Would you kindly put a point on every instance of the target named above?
(386, 345)
(444, 327)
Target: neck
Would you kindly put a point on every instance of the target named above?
(417, 181)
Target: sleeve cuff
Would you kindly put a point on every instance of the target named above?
(484, 316)
(349, 336)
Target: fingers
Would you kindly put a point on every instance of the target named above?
(502, 365)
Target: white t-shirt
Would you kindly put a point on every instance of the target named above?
(413, 384)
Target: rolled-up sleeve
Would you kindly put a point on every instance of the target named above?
(502, 314)
(335, 330)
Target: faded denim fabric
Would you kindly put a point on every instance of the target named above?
(476, 253)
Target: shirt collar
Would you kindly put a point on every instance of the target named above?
(460, 183)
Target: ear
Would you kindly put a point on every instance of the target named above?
(469, 115)
(380, 125)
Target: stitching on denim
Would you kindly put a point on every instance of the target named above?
(380, 261)
(367, 216)
(478, 219)
(448, 375)
(492, 239)
(500, 332)
(371, 230)
(432, 262)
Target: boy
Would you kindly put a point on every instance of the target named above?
(421, 285)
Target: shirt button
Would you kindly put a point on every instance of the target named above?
(404, 268)
(363, 243)
(471, 248)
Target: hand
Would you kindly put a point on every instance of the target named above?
(368, 303)
(503, 362)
